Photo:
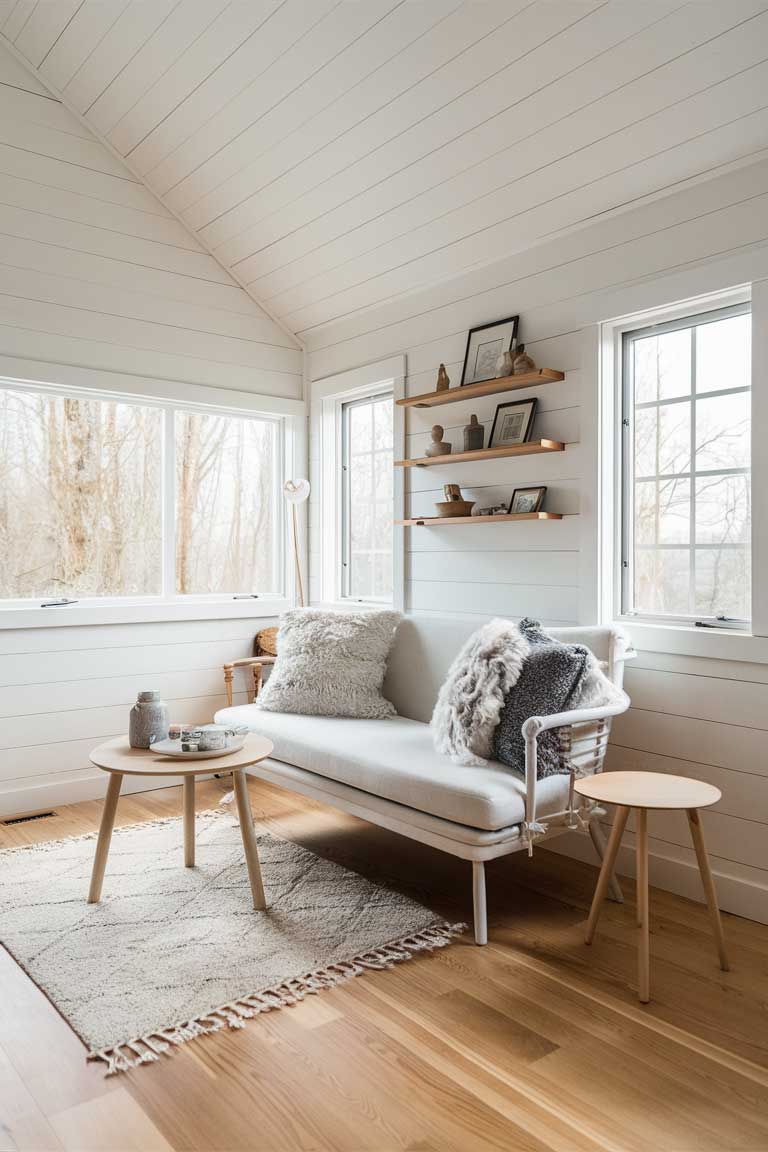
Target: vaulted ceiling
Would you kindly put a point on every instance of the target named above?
(334, 155)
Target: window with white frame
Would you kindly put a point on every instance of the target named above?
(686, 518)
(104, 498)
(366, 498)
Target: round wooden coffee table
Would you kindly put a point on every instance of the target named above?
(644, 790)
(118, 759)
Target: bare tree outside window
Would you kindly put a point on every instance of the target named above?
(367, 498)
(687, 514)
(225, 504)
(80, 499)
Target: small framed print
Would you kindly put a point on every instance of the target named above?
(512, 423)
(484, 347)
(526, 500)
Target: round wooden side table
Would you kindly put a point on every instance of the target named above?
(644, 791)
(118, 759)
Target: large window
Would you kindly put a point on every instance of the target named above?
(103, 498)
(367, 498)
(686, 469)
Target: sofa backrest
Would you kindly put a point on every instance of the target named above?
(425, 647)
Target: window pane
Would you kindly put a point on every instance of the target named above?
(367, 504)
(723, 582)
(674, 438)
(689, 503)
(722, 510)
(80, 509)
(722, 432)
(662, 366)
(723, 353)
(225, 504)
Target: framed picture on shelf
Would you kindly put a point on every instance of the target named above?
(526, 500)
(484, 347)
(512, 423)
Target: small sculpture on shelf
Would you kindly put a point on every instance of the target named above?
(473, 435)
(438, 447)
(505, 362)
(522, 362)
(443, 379)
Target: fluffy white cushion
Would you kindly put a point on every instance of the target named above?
(331, 664)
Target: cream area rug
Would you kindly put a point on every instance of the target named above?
(172, 953)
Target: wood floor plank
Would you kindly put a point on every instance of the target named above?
(512, 1047)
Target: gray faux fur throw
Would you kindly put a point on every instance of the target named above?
(504, 674)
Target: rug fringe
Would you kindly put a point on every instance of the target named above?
(150, 1047)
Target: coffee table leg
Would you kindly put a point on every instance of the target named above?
(609, 860)
(643, 910)
(697, 835)
(188, 787)
(249, 838)
(105, 835)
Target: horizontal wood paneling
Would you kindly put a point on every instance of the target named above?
(337, 156)
(64, 690)
(95, 272)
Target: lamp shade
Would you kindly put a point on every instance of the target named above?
(296, 491)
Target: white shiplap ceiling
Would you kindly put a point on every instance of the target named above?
(336, 155)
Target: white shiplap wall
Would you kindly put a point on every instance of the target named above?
(691, 715)
(100, 286)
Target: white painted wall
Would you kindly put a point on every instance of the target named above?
(101, 287)
(696, 715)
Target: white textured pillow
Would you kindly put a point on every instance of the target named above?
(331, 664)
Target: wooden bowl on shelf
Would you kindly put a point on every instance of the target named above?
(455, 507)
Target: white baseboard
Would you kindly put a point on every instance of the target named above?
(87, 787)
(745, 895)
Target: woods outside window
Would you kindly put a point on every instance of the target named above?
(108, 499)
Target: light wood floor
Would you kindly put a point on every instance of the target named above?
(534, 1042)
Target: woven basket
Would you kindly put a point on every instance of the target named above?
(266, 642)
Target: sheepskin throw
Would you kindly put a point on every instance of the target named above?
(551, 679)
(331, 664)
(470, 701)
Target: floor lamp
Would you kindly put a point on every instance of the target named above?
(296, 492)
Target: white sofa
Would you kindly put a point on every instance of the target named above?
(387, 771)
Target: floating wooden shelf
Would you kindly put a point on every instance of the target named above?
(448, 520)
(485, 388)
(528, 449)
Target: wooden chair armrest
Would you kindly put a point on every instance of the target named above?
(255, 663)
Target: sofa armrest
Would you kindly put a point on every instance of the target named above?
(531, 730)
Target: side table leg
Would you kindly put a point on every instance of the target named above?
(643, 917)
(609, 861)
(188, 788)
(249, 838)
(105, 836)
(697, 835)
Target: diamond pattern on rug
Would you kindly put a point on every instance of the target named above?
(173, 952)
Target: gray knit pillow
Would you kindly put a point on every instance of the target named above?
(550, 681)
(331, 664)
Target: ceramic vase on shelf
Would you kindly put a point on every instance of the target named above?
(443, 379)
(473, 435)
(148, 721)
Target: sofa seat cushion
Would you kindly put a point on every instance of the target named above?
(395, 759)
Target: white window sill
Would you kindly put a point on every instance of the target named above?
(687, 640)
(89, 614)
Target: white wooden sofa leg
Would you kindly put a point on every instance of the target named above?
(598, 839)
(478, 898)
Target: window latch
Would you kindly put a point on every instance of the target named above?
(246, 596)
(57, 603)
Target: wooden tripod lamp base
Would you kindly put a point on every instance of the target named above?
(643, 791)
